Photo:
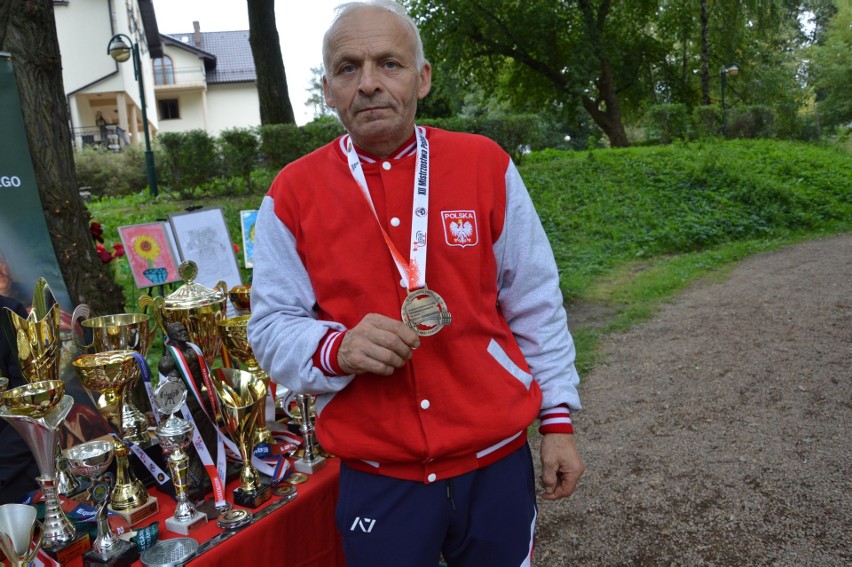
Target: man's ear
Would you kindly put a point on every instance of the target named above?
(326, 91)
(425, 81)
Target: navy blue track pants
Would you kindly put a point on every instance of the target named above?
(485, 518)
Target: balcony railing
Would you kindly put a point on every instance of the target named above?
(179, 76)
(109, 137)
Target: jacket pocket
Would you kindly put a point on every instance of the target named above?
(499, 355)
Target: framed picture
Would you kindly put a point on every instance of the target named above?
(202, 236)
(247, 220)
(151, 252)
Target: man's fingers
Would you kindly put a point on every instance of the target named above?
(377, 345)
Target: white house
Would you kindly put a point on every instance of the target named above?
(188, 81)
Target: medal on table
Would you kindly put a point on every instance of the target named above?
(424, 310)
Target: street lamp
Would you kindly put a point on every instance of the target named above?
(727, 71)
(121, 48)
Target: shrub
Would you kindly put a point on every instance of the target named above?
(107, 173)
(239, 148)
(706, 121)
(188, 160)
(756, 121)
(667, 122)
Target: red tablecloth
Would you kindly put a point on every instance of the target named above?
(302, 533)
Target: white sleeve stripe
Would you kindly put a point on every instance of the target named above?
(556, 420)
(325, 353)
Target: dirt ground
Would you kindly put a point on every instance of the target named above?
(718, 433)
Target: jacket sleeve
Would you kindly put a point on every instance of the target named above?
(531, 300)
(284, 331)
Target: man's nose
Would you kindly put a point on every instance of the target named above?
(370, 81)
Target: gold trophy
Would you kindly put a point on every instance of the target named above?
(241, 395)
(38, 342)
(92, 459)
(240, 296)
(36, 411)
(110, 373)
(199, 308)
(124, 331)
(175, 434)
(234, 336)
(17, 525)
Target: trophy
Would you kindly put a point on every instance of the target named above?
(38, 342)
(175, 434)
(234, 336)
(111, 372)
(240, 296)
(199, 309)
(241, 395)
(17, 525)
(118, 332)
(36, 411)
(310, 461)
(92, 459)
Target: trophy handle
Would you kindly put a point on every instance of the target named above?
(80, 314)
(222, 286)
(145, 301)
(34, 551)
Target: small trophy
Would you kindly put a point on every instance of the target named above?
(311, 461)
(241, 395)
(36, 411)
(17, 525)
(111, 372)
(92, 459)
(240, 296)
(234, 333)
(175, 434)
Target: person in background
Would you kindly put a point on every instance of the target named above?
(18, 468)
(427, 374)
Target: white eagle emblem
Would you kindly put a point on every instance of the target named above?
(460, 228)
(462, 231)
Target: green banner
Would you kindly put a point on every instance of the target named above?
(26, 251)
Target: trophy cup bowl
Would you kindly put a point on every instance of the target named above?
(36, 411)
(17, 525)
(241, 394)
(91, 458)
(35, 399)
(38, 343)
(234, 333)
(122, 331)
(199, 308)
(240, 296)
(111, 373)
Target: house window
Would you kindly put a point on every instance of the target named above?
(169, 109)
(164, 71)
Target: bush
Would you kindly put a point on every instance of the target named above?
(239, 148)
(706, 122)
(516, 134)
(188, 160)
(751, 122)
(107, 173)
(667, 122)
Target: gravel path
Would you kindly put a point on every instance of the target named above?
(718, 433)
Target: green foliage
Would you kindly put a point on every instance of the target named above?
(831, 66)
(187, 160)
(103, 172)
(756, 121)
(282, 143)
(239, 149)
(515, 134)
(668, 122)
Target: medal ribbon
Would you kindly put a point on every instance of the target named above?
(160, 476)
(146, 380)
(413, 272)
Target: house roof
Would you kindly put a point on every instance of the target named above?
(227, 55)
(149, 22)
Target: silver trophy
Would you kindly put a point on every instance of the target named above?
(17, 524)
(311, 461)
(36, 411)
(92, 459)
(175, 434)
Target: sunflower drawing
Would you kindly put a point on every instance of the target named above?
(147, 248)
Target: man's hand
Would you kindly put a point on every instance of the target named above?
(378, 345)
(561, 465)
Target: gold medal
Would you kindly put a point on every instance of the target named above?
(297, 478)
(425, 312)
(283, 489)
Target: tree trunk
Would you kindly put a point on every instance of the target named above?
(705, 54)
(28, 32)
(275, 107)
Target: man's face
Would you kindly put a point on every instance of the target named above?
(373, 81)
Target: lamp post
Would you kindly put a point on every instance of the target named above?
(727, 71)
(121, 48)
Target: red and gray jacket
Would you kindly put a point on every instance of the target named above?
(470, 391)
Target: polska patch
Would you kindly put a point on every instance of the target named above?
(460, 228)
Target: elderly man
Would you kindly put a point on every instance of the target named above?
(427, 376)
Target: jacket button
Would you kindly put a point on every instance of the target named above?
(432, 477)
(386, 165)
(394, 221)
(425, 404)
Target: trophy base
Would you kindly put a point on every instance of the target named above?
(71, 550)
(252, 499)
(123, 555)
(186, 527)
(135, 515)
(309, 467)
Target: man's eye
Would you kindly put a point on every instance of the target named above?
(391, 65)
(347, 69)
